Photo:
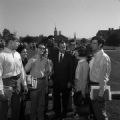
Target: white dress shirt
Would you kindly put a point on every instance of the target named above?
(11, 65)
(100, 68)
(81, 75)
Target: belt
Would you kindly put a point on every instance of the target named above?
(13, 77)
(32, 85)
(40, 78)
(11, 81)
(91, 83)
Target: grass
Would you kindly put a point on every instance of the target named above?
(113, 107)
(115, 72)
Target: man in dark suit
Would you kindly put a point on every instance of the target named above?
(62, 80)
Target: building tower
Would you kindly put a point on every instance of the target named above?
(75, 39)
(55, 31)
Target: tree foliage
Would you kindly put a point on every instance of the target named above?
(31, 39)
(113, 40)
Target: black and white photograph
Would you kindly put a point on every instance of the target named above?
(59, 59)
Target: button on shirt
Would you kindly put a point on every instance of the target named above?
(100, 68)
(11, 65)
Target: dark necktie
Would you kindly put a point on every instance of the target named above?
(60, 57)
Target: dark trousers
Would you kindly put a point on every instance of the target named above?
(3, 110)
(38, 101)
(22, 110)
(61, 100)
(46, 101)
(15, 106)
(99, 110)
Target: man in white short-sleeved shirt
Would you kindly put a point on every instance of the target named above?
(12, 75)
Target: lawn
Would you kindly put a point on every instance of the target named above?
(115, 71)
(113, 107)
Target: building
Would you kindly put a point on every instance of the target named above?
(58, 36)
(107, 33)
(71, 42)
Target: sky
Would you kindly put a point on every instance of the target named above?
(36, 17)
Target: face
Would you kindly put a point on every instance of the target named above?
(41, 49)
(55, 44)
(15, 44)
(62, 47)
(76, 53)
(95, 46)
(46, 53)
(24, 53)
(51, 40)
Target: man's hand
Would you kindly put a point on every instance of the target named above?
(6, 93)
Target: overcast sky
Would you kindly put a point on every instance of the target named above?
(35, 17)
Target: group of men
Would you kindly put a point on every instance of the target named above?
(12, 75)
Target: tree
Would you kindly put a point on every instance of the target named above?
(113, 40)
(27, 39)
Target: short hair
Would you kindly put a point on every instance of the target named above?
(61, 42)
(46, 50)
(50, 37)
(10, 37)
(40, 43)
(82, 51)
(99, 39)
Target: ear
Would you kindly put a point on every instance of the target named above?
(100, 46)
(10, 42)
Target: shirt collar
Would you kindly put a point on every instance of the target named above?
(82, 59)
(9, 50)
(99, 53)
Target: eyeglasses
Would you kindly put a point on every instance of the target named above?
(42, 48)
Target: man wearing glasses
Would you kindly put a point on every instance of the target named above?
(38, 68)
